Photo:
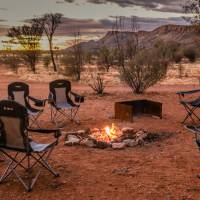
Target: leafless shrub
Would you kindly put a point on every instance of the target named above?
(97, 84)
(76, 56)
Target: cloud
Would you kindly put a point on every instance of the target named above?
(69, 1)
(86, 26)
(91, 27)
(157, 5)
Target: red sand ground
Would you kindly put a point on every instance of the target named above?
(165, 169)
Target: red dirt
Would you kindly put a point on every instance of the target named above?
(165, 169)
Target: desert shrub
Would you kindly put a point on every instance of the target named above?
(12, 60)
(139, 68)
(73, 67)
(105, 57)
(46, 61)
(168, 50)
(146, 69)
(97, 84)
(191, 54)
(88, 57)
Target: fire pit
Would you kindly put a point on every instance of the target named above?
(107, 137)
(126, 110)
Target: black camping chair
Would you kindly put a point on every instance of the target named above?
(196, 131)
(19, 91)
(191, 106)
(20, 150)
(61, 102)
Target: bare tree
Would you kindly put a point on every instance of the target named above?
(28, 36)
(74, 59)
(126, 39)
(78, 55)
(192, 7)
(50, 23)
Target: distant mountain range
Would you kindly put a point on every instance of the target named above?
(185, 35)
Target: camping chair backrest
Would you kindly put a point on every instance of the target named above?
(60, 90)
(18, 91)
(13, 123)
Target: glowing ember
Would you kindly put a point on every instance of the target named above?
(107, 134)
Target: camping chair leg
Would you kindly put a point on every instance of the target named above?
(12, 168)
(190, 113)
(72, 114)
(27, 187)
(6, 171)
(34, 119)
(44, 162)
(35, 163)
(12, 158)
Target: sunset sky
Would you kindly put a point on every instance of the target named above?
(93, 17)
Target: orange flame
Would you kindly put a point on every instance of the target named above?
(107, 134)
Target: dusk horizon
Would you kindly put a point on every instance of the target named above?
(93, 18)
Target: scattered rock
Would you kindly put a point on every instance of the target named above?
(72, 140)
(130, 142)
(88, 142)
(127, 130)
(141, 135)
(81, 132)
(119, 145)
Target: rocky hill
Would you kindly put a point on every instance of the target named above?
(185, 35)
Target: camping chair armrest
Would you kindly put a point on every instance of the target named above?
(57, 132)
(182, 93)
(78, 98)
(9, 98)
(38, 102)
(50, 99)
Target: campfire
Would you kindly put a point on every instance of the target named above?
(107, 134)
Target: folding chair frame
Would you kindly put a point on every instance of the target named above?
(68, 113)
(27, 153)
(196, 131)
(39, 158)
(189, 106)
(20, 86)
(34, 119)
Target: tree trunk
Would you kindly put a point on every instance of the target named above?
(52, 56)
